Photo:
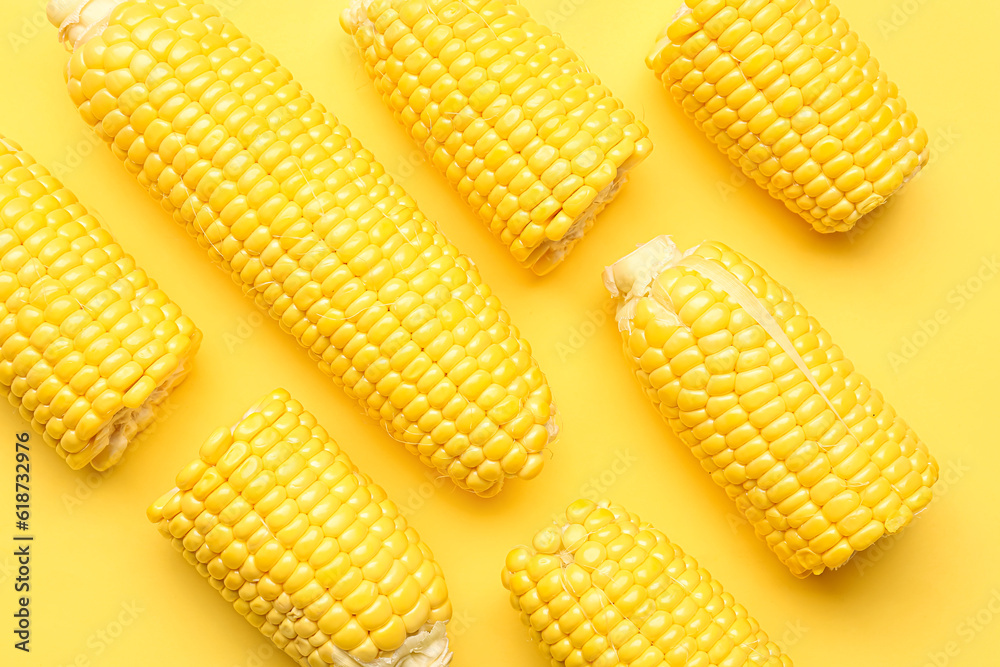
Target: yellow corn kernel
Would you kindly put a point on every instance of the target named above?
(392, 616)
(312, 227)
(812, 454)
(540, 105)
(79, 291)
(800, 62)
(640, 600)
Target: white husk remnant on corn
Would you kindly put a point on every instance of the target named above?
(80, 20)
(632, 278)
(428, 647)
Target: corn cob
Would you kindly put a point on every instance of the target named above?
(794, 97)
(312, 227)
(307, 548)
(601, 588)
(814, 457)
(89, 347)
(528, 136)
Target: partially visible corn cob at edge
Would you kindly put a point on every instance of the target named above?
(312, 227)
(794, 97)
(89, 347)
(528, 136)
(815, 458)
(603, 589)
(307, 548)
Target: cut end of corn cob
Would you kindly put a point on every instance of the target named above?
(304, 546)
(89, 347)
(315, 230)
(814, 457)
(553, 252)
(601, 588)
(525, 132)
(796, 100)
(114, 437)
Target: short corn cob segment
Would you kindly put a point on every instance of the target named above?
(813, 456)
(528, 136)
(789, 92)
(308, 549)
(89, 347)
(601, 588)
(312, 227)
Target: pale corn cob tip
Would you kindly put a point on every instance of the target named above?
(304, 546)
(89, 346)
(527, 134)
(79, 20)
(601, 588)
(314, 229)
(819, 463)
(796, 100)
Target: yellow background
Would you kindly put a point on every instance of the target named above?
(98, 563)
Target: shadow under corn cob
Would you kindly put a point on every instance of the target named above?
(312, 227)
(795, 98)
(522, 129)
(309, 550)
(813, 456)
(89, 346)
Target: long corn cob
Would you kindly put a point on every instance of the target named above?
(89, 347)
(601, 588)
(813, 456)
(308, 549)
(791, 94)
(528, 136)
(312, 227)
